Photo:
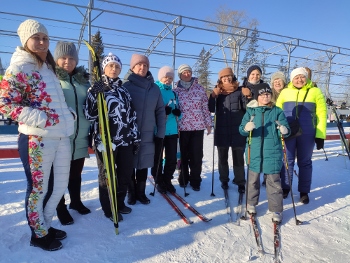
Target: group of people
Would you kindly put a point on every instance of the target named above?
(55, 105)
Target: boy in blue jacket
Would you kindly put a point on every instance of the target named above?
(264, 123)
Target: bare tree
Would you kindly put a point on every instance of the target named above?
(232, 28)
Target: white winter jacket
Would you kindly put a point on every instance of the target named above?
(33, 96)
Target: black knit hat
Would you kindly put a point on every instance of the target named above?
(251, 68)
(261, 88)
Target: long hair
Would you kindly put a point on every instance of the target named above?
(49, 59)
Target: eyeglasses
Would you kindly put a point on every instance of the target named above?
(113, 65)
(265, 95)
(229, 77)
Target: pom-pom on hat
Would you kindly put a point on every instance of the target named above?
(64, 49)
(165, 71)
(138, 58)
(298, 71)
(182, 68)
(111, 58)
(28, 28)
(262, 88)
(278, 75)
(251, 68)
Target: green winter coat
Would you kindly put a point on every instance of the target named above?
(266, 154)
(75, 89)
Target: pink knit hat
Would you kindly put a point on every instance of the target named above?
(138, 58)
(165, 71)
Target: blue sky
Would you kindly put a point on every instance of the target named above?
(311, 20)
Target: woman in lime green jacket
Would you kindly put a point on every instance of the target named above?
(302, 101)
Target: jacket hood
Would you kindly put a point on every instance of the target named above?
(80, 74)
(20, 57)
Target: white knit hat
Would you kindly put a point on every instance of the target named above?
(298, 71)
(182, 68)
(28, 28)
(111, 58)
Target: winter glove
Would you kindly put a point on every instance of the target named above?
(319, 143)
(246, 92)
(283, 129)
(158, 141)
(249, 126)
(216, 92)
(176, 112)
(136, 148)
(97, 88)
(167, 110)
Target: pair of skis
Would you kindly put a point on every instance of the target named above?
(185, 203)
(107, 152)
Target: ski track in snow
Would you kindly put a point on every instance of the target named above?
(155, 233)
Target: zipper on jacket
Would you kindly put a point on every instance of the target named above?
(77, 113)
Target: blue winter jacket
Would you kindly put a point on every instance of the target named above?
(169, 99)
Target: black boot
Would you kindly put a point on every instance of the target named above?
(132, 192)
(47, 242)
(63, 214)
(140, 193)
(304, 198)
(74, 188)
(169, 186)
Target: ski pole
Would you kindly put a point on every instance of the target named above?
(297, 221)
(157, 170)
(248, 163)
(212, 172)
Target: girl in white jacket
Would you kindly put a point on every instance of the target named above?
(31, 94)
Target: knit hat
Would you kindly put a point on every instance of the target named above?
(182, 68)
(66, 49)
(262, 88)
(28, 28)
(298, 71)
(165, 71)
(226, 72)
(251, 68)
(138, 58)
(111, 58)
(278, 75)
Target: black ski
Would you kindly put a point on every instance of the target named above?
(256, 233)
(174, 206)
(228, 206)
(276, 241)
(191, 208)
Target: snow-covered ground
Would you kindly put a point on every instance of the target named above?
(155, 233)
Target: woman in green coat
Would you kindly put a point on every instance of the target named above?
(74, 82)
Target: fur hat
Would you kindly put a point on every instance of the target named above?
(298, 71)
(138, 58)
(66, 49)
(111, 58)
(226, 72)
(251, 68)
(182, 68)
(28, 28)
(165, 71)
(278, 75)
(262, 88)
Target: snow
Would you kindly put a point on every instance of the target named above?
(155, 233)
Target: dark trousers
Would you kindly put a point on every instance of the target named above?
(123, 156)
(302, 148)
(191, 148)
(238, 164)
(170, 148)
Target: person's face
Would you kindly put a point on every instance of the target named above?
(299, 81)
(186, 75)
(68, 63)
(140, 69)
(264, 99)
(167, 80)
(227, 79)
(39, 44)
(112, 70)
(254, 76)
(278, 85)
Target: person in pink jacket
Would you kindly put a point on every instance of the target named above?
(31, 94)
(193, 103)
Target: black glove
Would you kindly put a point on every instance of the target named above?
(319, 143)
(136, 148)
(167, 110)
(176, 112)
(97, 88)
